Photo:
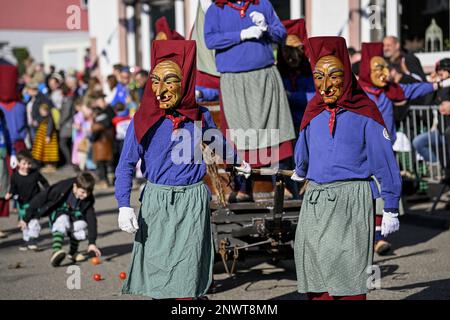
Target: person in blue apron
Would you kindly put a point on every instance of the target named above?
(374, 79)
(173, 252)
(295, 71)
(252, 95)
(343, 143)
(6, 151)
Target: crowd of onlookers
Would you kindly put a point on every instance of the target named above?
(85, 119)
(74, 119)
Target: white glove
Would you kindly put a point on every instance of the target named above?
(244, 170)
(259, 20)
(127, 220)
(13, 162)
(295, 177)
(205, 4)
(389, 223)
(253, 32)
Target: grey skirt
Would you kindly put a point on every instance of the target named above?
(173, 252)
(256, 100)
(333, 247)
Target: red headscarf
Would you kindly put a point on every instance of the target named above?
(295, 27)
(183, 53)
(392, 90)
(221, 3)
(353, 98)
(8, 83)
(161, 25)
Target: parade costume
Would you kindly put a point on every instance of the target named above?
(163, 31)
(386, 96)
(8, 101)
(298, 80)
(373, 77)
(252, 93)
(13, 109)
(173, 251)
(343, 143)
(295, 71)
(6, 150)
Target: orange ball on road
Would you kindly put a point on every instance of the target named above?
(97, 277)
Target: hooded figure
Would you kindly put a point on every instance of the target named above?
(253, 101)
(173, 252)
(374, 77)
(9, 108)
(342, 144)
(13, 109)
(163, 31)
(295, 69)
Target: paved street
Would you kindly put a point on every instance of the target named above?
(418, 268)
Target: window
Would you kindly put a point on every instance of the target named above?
(425, 25)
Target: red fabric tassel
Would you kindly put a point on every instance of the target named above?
(177, 121)
(332, 120)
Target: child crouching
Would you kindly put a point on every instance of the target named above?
(70, 207)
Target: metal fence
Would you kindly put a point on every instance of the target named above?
(421, 145)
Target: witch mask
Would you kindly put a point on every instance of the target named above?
(329, 78)
(379, 71)
(166, 84)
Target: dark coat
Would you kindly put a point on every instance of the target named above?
(48, 200)
(103, 136)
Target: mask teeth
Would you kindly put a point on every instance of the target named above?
(158, 98)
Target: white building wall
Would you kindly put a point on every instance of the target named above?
(330, 18)
(104, 27)
(43, 45)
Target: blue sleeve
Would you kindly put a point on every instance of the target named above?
(276, 30)
(301, 154)
(9, 147)
(214, 138)
(208, 94)
(21, 121)
(416, 90)
(131, 153)
(215, 38)
(383, 164)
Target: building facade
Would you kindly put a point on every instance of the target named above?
(54, 32)
(120, 31)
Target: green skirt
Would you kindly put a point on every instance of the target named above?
(173, 252)
(333, 247)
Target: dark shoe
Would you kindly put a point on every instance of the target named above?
(57, 257)
(382, 247)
